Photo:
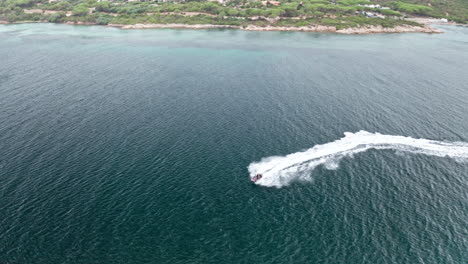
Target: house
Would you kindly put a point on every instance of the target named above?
(371, 6)
(372, 14)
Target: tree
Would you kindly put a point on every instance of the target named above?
(62, 5)
(210, 7)
(290, 11)
(57, 17)
(103, 20)
(103, 7)
(232, 12)
(21, 3)
(276, 12)
(80, 10)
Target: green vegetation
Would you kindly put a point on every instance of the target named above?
(348, 22)
(343, 14)
(454, 10)
(80, 10)
(412, 8)
(354, 2)
(177, 19)
(389, 12)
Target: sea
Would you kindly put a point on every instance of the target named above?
(137, 146)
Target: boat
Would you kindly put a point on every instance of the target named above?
(257, 177)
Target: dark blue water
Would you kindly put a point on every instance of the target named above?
(133, 146)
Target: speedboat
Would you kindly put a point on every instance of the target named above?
(257, 177)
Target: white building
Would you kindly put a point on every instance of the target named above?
(371, 6)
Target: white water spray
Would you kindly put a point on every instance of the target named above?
(279, 171)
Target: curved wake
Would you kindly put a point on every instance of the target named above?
(279, 171)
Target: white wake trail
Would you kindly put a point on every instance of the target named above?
(279, 171)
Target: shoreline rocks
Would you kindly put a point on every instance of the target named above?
(81, 23)
(311, 28)
(315, 28)
(155, 26)
(380, 29)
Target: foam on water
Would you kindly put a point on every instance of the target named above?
(279, 171)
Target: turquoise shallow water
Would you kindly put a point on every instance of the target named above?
(134, 146)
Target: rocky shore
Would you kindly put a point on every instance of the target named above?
(313, 28)
(430, 21)
(380, 29)
(81, 23)
(153, 26)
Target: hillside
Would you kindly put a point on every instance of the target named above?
(455, 10)
(288, 14)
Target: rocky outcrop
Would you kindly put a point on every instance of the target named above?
(311, 28)
(356, 30)
(314, 28)
(81, 23)
(149, 26)
(380, 29)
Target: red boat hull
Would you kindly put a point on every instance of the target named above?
(256, 178)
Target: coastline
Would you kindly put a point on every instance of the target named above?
(313, 28)
(427, 21)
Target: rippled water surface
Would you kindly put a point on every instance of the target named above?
(136, 146)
